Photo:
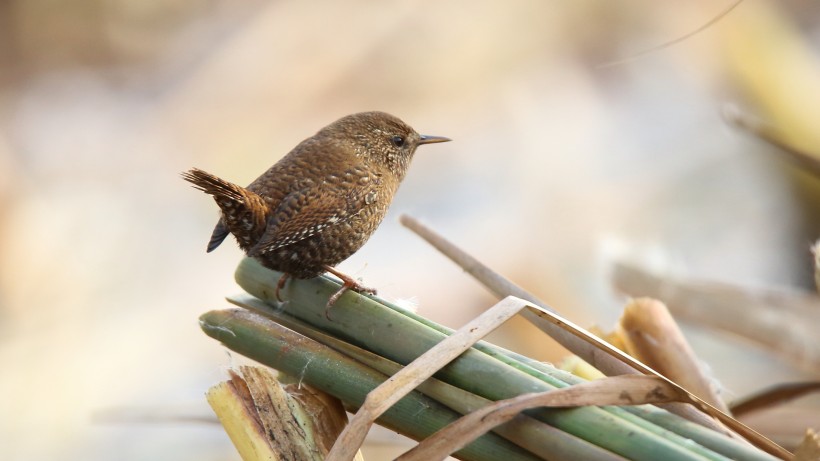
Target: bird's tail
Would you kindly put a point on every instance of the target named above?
(243, 212)
(215, 186)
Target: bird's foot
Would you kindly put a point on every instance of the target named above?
(281, 284)
(348, 283)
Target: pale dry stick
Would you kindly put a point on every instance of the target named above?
(502, 287)
(617, 390)
(652, 336)
(597, 352)
(397, 386)
(782, 322)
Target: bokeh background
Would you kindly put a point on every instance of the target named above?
(560, 164)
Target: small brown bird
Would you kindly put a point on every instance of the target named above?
(321, 202)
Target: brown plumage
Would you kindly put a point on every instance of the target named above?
(322, 201)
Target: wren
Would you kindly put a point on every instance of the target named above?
(321, 202)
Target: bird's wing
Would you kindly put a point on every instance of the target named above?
(302, 214)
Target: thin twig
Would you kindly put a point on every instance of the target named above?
(776, 395)
(672, 42)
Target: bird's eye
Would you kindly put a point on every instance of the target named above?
(398, 141)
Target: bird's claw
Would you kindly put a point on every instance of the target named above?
(279, 285)
(348, 283)
(355, 286)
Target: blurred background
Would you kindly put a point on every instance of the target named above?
(560, 165)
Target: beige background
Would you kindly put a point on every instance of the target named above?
(558, 167)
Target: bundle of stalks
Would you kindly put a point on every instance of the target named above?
(404, 372)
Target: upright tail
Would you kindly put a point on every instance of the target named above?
(243, 212)
(215, 186)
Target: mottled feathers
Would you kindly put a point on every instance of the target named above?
(322, 201)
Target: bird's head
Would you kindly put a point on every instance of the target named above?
(381, 139)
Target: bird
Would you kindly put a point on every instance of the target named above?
(321, 202)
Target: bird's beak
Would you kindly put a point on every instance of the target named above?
(424, 139)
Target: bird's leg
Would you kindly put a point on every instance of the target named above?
(281, 284)
(348, 283)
